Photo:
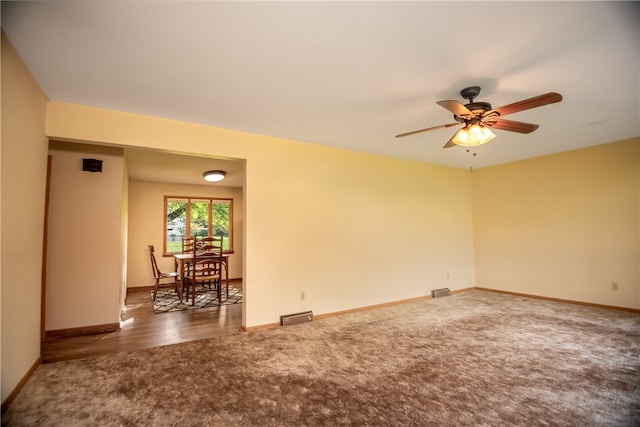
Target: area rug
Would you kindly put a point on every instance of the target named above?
(167, 300)
(471, 359)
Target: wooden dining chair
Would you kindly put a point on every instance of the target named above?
(187, 247)
(187, 244)
(160, 276)
(206, 269)
(218, 242)
(217, 245)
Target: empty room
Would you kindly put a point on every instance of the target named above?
(430, 212)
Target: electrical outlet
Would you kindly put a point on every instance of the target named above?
(301, 296)
(614, 286)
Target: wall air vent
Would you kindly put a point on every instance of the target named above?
(295, 318)
(440, 292)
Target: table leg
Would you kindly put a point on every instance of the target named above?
(226, 273)
(181, 284)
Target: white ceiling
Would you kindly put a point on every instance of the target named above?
(345, 74)
(158, 166)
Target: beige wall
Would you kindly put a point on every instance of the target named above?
(23, 158)
(85, 248)
(347, 229)
(563, 226)
(146, 209)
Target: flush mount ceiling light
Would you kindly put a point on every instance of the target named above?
(473, 135)
(214, 176)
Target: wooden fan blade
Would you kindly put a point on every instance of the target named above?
(456, 108)
(510, 125)
(525, 104)
(427, 129)
(450, 143)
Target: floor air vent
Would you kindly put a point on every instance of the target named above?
(295, 318)
(440, 292)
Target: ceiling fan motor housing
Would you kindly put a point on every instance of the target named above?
(477, 108)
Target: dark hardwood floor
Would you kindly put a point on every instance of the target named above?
(142, 328)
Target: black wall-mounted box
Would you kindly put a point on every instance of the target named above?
(92, 165)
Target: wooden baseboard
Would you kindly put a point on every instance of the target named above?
(141, 288)
(371, 307)
(458, 291)
(21, 383)
(83, 330)
(260, 327)
(567, 301)
(342, 312)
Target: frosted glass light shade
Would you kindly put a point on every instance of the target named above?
(214, 176)
(472, 136)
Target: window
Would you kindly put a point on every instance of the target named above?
(197, 216)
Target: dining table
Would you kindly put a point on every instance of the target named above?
(182, 259)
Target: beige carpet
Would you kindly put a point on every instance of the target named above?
(475, 359)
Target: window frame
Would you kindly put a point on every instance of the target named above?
(189, 200)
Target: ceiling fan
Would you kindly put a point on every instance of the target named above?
(479, 117)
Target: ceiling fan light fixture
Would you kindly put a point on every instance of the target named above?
(472, 136)
(214, 176)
